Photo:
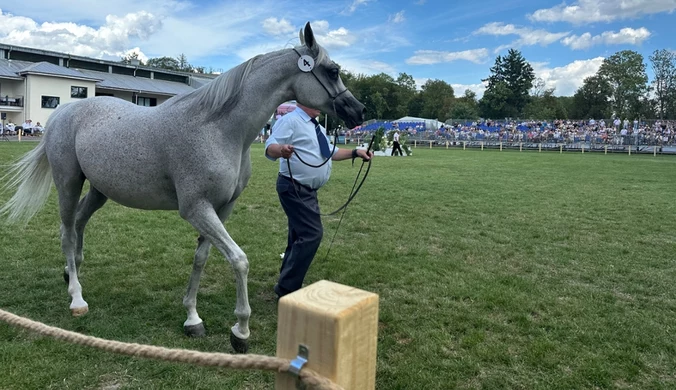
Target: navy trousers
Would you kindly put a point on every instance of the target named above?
(305, 233)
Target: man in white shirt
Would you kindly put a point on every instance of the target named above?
(299, 133)
(395, 144)
(27, 127)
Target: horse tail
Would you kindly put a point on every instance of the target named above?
(32, 175)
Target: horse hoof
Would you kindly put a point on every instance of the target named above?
(197, 330)
(239, 345)
(79, 311)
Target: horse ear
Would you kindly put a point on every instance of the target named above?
(302, 38)
(309, 39)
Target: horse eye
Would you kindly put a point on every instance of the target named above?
(334, 73)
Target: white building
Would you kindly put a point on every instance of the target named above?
(34, 82)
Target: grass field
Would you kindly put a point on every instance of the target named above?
(496, 270)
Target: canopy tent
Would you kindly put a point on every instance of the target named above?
(429, 123)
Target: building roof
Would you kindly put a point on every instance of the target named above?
(45, 68)
(135, 84)
(9, 68)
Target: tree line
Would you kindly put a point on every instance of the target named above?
(620, 88)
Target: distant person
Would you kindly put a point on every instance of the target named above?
(395, 144)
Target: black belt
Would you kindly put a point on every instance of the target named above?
(296, 182)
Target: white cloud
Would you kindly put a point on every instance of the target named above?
(429, 57)
(398, 17)
(112, 39)
(274, 26)
(527, 36)
(331, 39)
(479, 89)
(355, 4)
(140, 55)
(366, 67)
(567, 79)
(585, 11)
(627, 36)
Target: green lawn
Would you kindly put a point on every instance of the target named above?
(496, 270)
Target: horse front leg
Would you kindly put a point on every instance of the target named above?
(204, 218)
(194, 326)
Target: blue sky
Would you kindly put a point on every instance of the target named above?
(429, 39)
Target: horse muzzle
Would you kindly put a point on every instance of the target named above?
(350, 110)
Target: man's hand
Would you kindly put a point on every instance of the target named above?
(286, 151)
(364, 154)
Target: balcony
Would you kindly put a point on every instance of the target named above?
(11, 101)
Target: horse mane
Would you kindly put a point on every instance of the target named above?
(221, 94)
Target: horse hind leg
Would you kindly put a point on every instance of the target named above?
(93, 201)
(194, 326)
(69, 189)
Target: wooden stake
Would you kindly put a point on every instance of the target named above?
(482, 145)
(501, 146)
(629, 149)
(605, 148)
(338, 325)
(560, 149)
(539, 148)
(464, 145)
(520, 146)
(582, 148)
(446, 144)
(430, 144)
(655, 151)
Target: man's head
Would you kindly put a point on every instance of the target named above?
(312, 112)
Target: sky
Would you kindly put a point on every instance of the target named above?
(453, 41)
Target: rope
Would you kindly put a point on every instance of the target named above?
(308, 377)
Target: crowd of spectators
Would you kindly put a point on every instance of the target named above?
(561, 131)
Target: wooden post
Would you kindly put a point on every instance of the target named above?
(560, 149)
(19, 135)
(605, 149)
(482, 145)
(501, 146)
(446, 144)
(629, 149)
(430, 144)
(540, 148)
(520, 146)
(655, 151)
(415, 143)
(338, 325)
(464, 145)
(582, 148)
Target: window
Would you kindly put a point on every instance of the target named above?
(147, 102)
(50, 101)
(78, 92)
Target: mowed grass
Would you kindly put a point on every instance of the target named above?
(495, 270)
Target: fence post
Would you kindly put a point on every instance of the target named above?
(19, 135)
(482, 145)
(605, 148)
(539, 148)
(430, 144)
(501, 146)
(629, 149)
(560, 149)
(415, 143)
(446, 144)
(520, 146)
(339, 326)
(655, 151)
(582, 148)
(464, 145)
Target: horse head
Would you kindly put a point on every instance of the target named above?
(319, 85)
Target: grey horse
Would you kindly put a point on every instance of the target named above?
(189, 154)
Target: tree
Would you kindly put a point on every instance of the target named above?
(169, 63)
(508, 85)
(131, 56)
(592, 99)
(465, 107)
(437, 99)
(664, 66)
(626, 74)
(495, 101)
(183, 64)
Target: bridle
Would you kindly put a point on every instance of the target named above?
(353, 191)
